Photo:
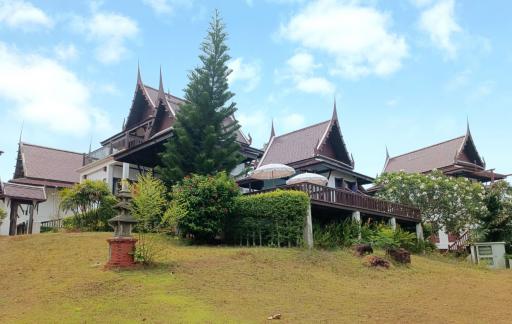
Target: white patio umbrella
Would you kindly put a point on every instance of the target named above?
(309, 178)
(272, 171)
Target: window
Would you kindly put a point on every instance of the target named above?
(338, 183)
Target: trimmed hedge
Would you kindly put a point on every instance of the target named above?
(273, 218)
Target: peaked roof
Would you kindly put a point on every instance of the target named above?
(149, 102)
(22, 192)
(322, 139)
(42, 165)
(458, 150)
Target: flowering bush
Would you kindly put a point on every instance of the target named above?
(449, 202)
(201, 205)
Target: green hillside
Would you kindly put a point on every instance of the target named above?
(60, 278)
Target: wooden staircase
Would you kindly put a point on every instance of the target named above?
(460, 244)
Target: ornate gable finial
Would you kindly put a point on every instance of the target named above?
(21, 131)
(139, 78)
(249, 138)
(124, 123)
(468, 131)
(334, 111)
(352, 160)
(161, 92)
(387, 153)
(272, 131)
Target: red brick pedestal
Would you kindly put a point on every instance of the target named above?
(122, 251)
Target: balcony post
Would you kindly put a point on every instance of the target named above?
(126, 175)
(392, 223)
(308, 228)
(356, 217)
(110, 177)
(419, 231)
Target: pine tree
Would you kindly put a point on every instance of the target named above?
(204, 138)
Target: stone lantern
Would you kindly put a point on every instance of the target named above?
(122, 245)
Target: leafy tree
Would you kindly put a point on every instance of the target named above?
(449, 202)
(148, 207)
(91, 204)
(496, 224)
(204, 139)
(149, 202)
(201, 205)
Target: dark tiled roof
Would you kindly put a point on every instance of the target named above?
(426, 159)
(46, 163)
(23, 192)
(294, 146)
(175, 104)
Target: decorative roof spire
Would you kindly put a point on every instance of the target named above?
(161, 92)
(468, 131)
(21, 131)
(387, 153)
(334, 111)
(272, 131)
(124, 123)
(249, 138)
(139, 79)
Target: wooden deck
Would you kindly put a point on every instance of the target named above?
(345, 199)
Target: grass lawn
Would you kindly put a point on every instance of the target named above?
(58, 278)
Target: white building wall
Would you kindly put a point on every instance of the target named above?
(338, 174)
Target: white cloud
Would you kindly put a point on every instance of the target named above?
(421, 3)
(248, 73)
(110, 31)
(167, 7)
(315, 85)
(439, 23)
(392, 102)
(301, 70)
(45, 93)
(24, 15)
(356, 36)
(291, 122)
(66, 52)
(302, 63)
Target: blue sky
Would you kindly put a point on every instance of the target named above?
(405, 73)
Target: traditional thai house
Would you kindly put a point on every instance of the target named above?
(321, 149)
(31, 197)
(136, 147)
(457, 157)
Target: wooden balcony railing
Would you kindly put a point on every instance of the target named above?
(53, 223)
(352, 200)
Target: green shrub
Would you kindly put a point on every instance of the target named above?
(91, 203)
(3, 215)
(149, 202)
(336, 234)
(385, 237)
(273, 218)
(201, 205)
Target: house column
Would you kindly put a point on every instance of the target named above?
(110, 177)
(392, 223)
(308, 228)
(31, 217)
(356, 217)
(13, 217)
(126, 175)
(419, 231)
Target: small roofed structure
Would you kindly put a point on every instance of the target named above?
(24, 197)
(456, 157)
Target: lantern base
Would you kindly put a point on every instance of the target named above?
(122, 250)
